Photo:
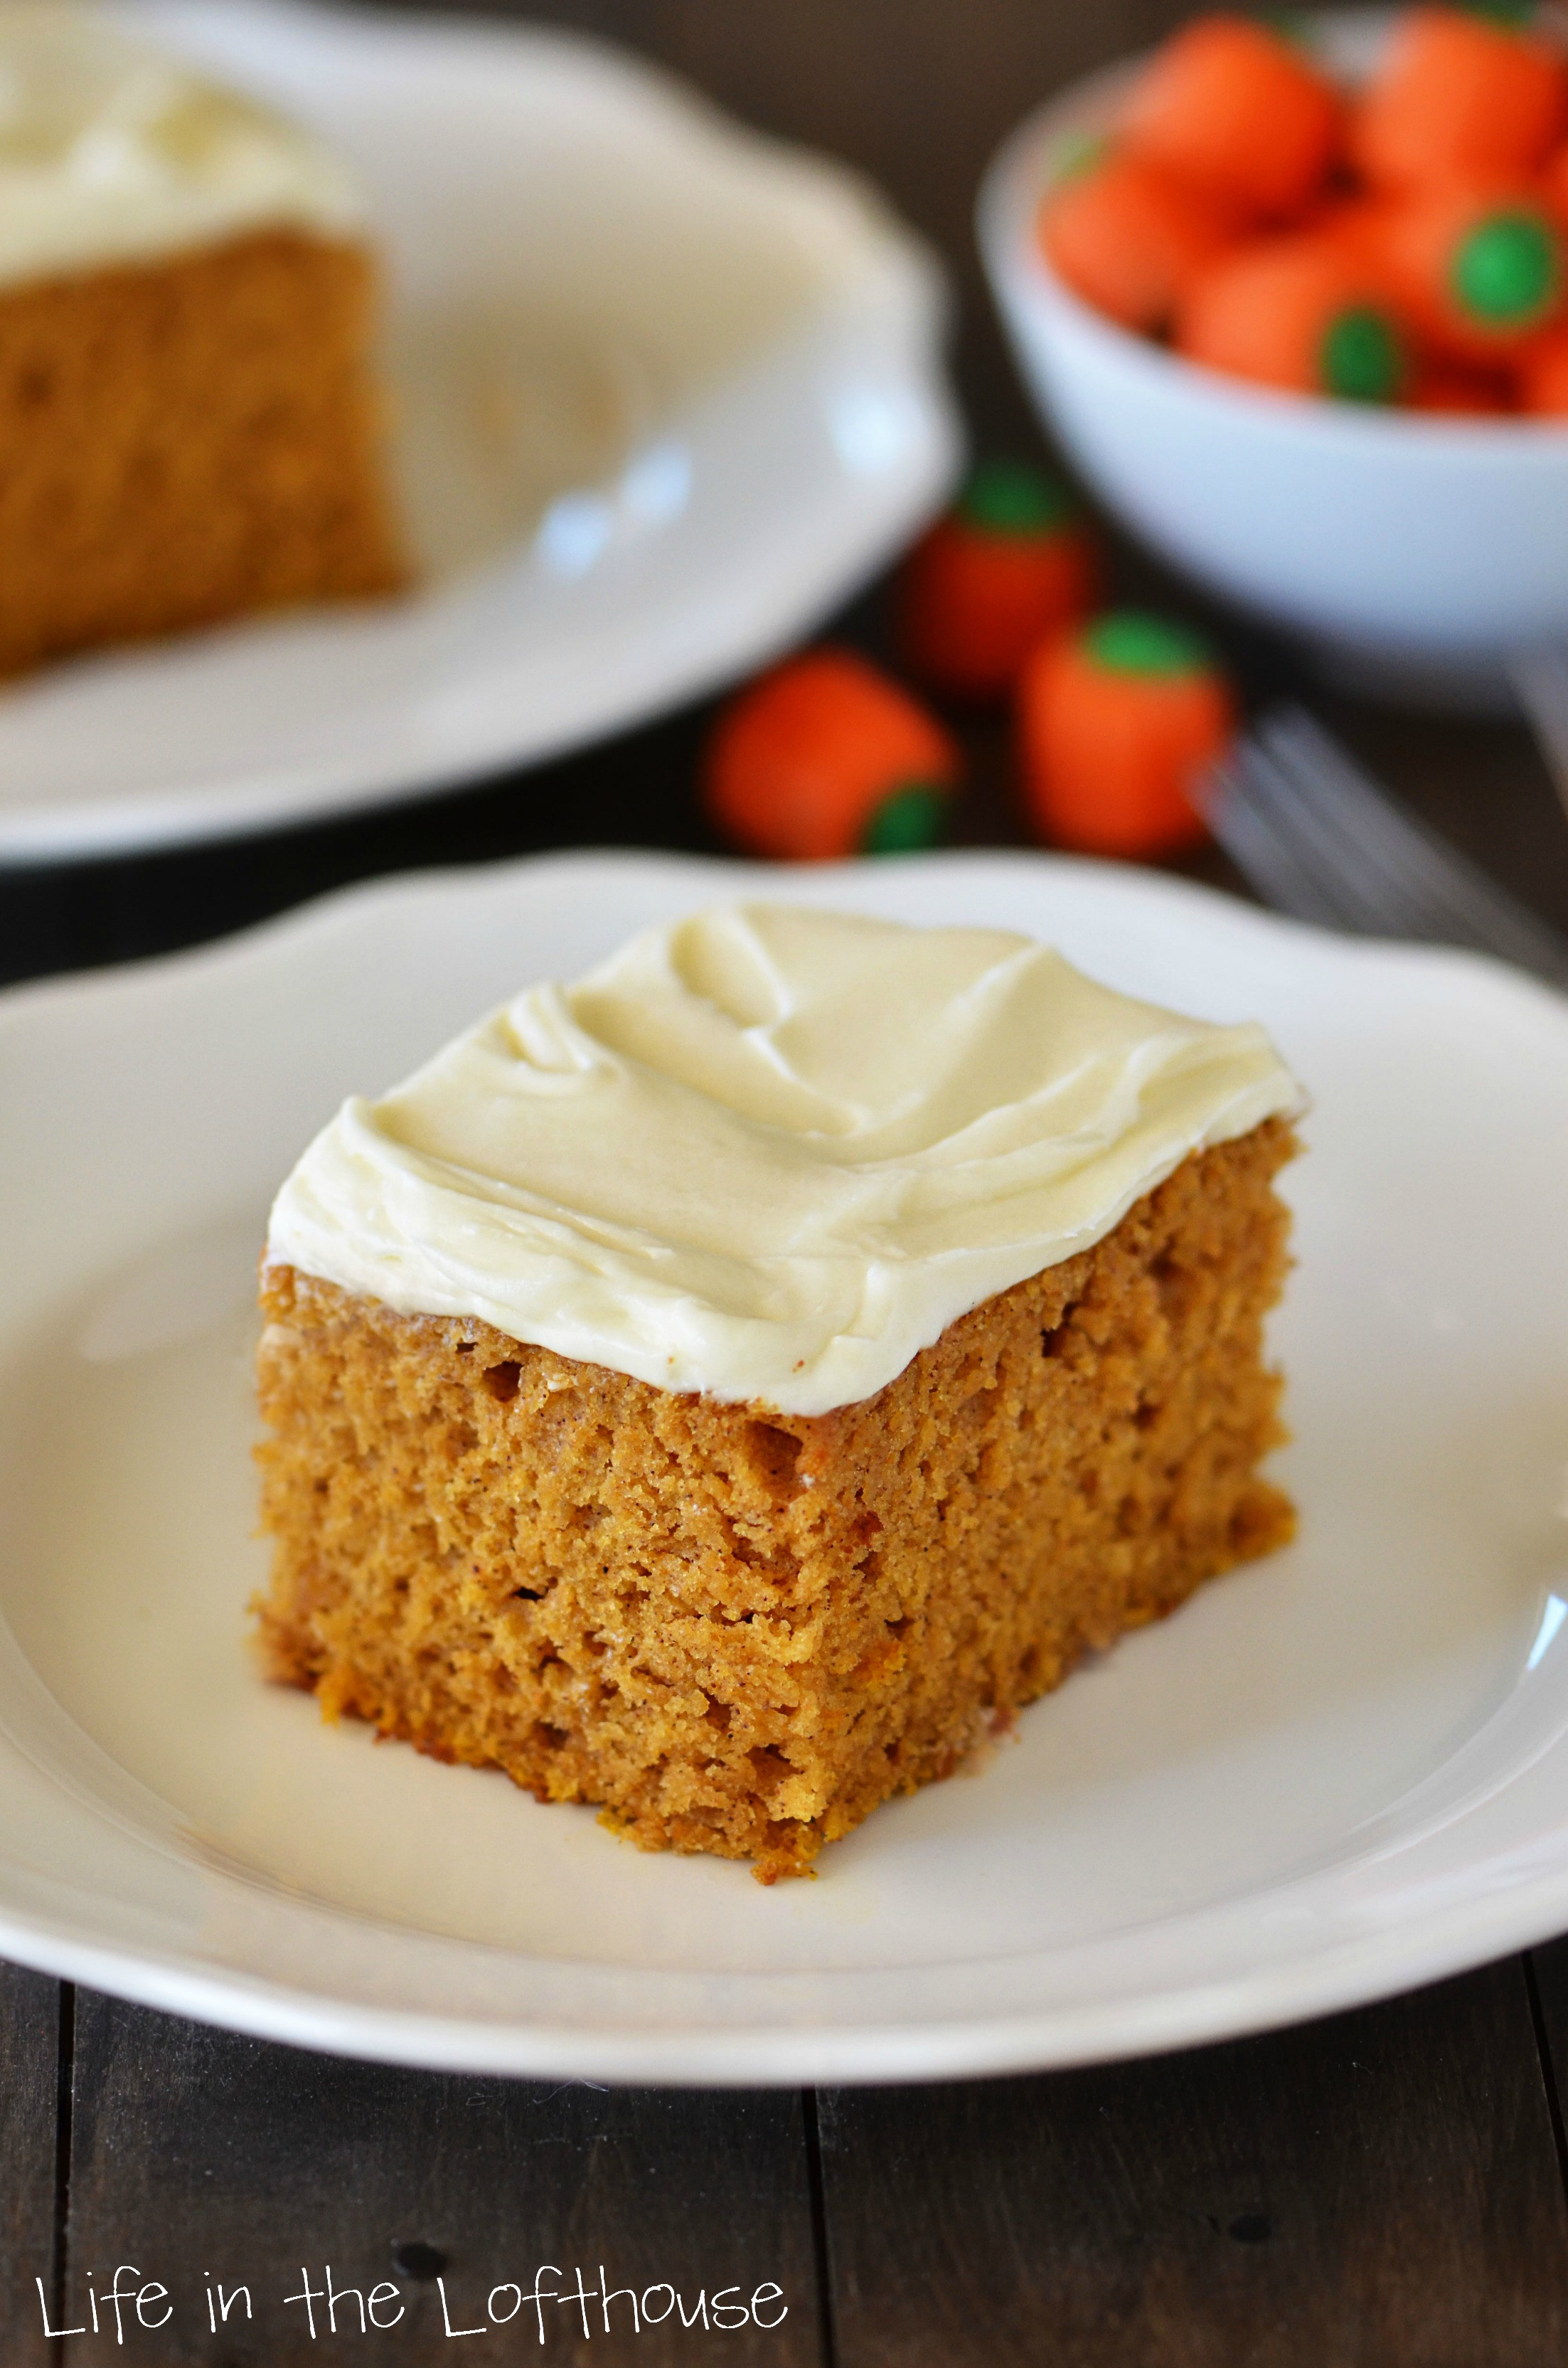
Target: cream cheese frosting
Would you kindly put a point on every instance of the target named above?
(111, 152)
(768, 1153)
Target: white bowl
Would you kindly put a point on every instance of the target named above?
(1411, 553)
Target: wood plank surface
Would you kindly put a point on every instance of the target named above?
(1378, 2191)
(29, 2034)
(206, 2159)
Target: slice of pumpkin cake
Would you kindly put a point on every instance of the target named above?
(723, 1389)
(190, 424)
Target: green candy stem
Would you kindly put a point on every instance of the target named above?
(1129, 641)
(1362, 358)
(913, 816)
(1009, 498)
(1508, 270)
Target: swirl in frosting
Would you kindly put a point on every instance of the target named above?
(768, 1153)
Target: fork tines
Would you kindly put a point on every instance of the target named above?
(1318, 838)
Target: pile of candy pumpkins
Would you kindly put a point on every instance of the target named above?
(1118, 713)
(1405, 242)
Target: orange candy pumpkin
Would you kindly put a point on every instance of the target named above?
(1458, 95)
(1129, 238)
(1231, 107)
(1482, 266)
(1304, 310)
(824, 756)
(1011, 563)
(1116, 724)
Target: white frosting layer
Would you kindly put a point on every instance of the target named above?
(769, 1154)
(111, 152)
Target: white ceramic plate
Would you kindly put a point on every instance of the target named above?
(665, 394)
(1337, 1773)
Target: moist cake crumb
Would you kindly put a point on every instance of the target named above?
(736, 1630)
(189, 440)
(190, 422)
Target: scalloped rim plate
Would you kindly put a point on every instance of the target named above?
(1337, 1773)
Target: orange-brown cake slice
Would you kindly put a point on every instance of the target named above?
(723, 1389)
(190, 428)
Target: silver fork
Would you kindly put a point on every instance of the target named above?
(1318, 838)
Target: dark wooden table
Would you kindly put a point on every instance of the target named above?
(1387, 2187)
